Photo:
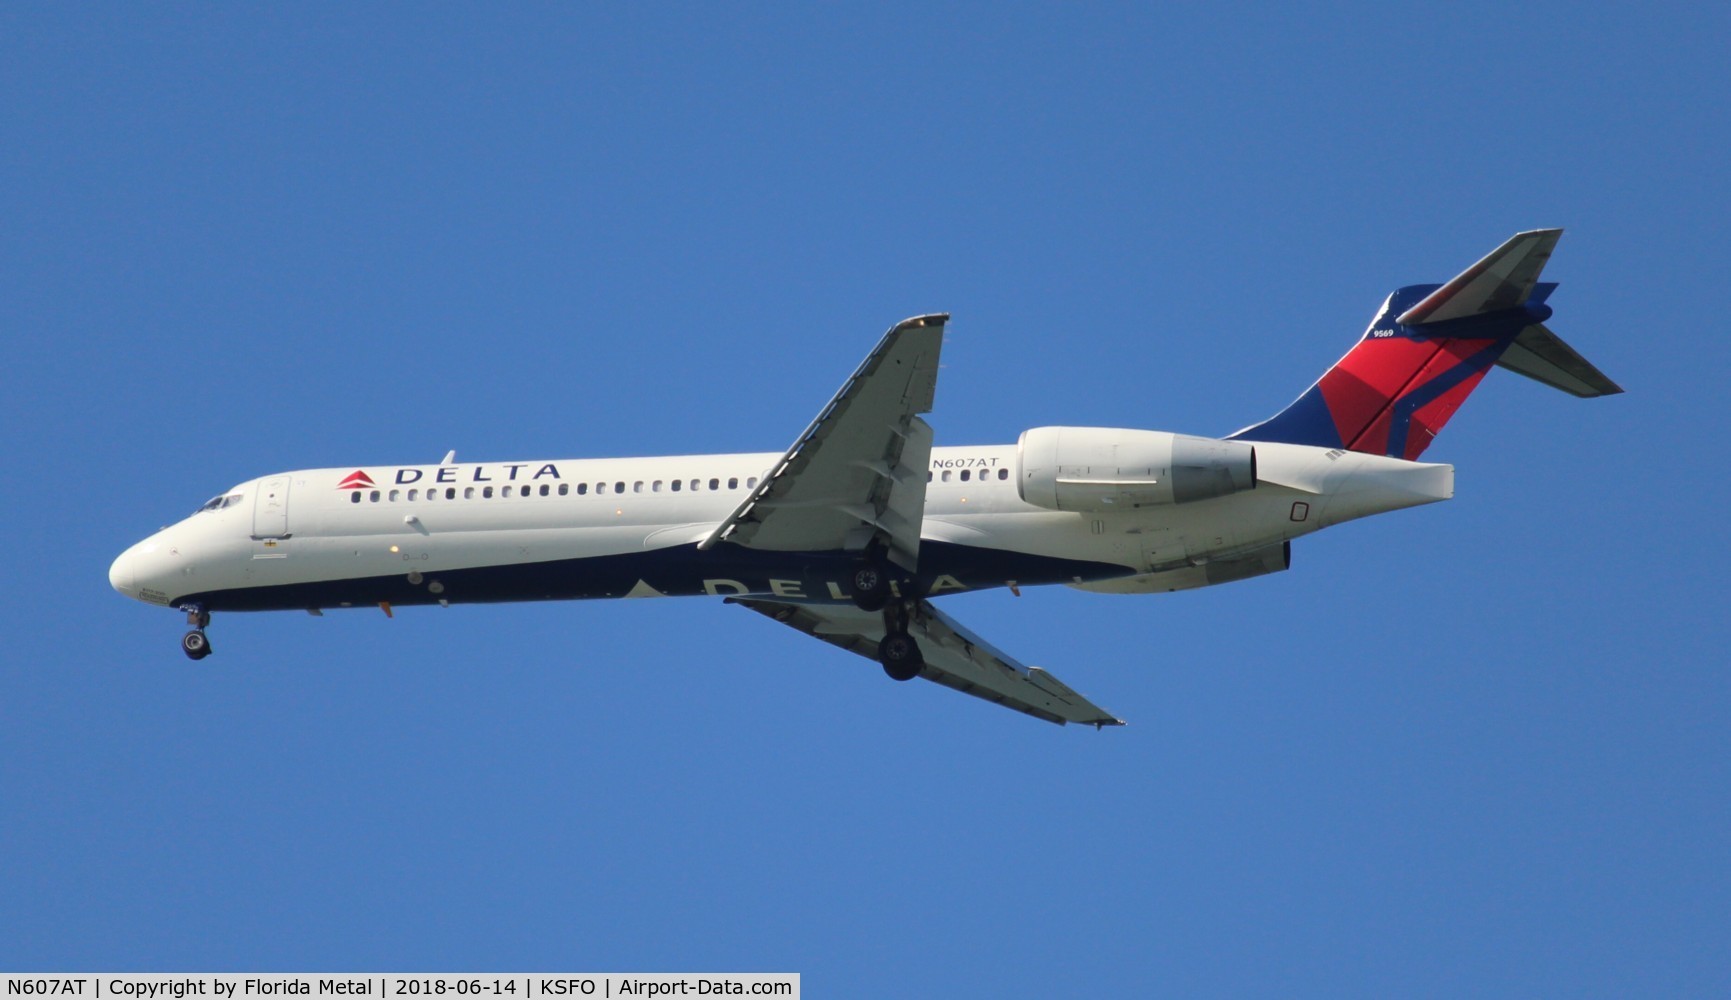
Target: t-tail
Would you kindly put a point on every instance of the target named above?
(1426, 351)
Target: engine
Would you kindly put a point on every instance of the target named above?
(1097, 469)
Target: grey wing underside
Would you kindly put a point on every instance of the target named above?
(954, 657)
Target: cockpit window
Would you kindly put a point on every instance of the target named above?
(219, 502)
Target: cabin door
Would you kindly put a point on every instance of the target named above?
(270, 508)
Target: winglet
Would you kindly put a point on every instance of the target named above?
(1503, 280)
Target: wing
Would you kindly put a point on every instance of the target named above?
(858, 473)
(954, 657)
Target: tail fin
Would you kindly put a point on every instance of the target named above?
(1426, 351)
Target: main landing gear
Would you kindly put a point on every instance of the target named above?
(897, 650)
(194, 643)
(870, 585)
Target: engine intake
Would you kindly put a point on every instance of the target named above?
(1097, 469)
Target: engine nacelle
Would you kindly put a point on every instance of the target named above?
(1096, 469)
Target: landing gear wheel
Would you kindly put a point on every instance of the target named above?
(900, 655)
(195, 645)
(871, 587)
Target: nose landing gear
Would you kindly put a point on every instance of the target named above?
(194, 643)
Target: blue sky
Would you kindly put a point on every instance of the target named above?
(1474, 748)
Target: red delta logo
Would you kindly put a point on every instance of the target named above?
(356, 480)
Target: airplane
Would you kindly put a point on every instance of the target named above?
(855, 531)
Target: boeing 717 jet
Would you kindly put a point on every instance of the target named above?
(858, 530)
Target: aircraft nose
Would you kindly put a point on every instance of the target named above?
(123, 575)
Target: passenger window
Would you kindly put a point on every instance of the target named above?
(928, 475)
(374, 497)
(695, 483)
(637, 487)
(715, 484)
(486, 492)
(751, 484)
(394, 495)
(946, 475)
(414, 493)
(468, 493)
(676, 485)
(1003, 474)
(965, 474)
(619, 487)
(544, 489)
(582, 488)
(600, 488)
(733, 482)
(450, 493)
(355, 497)
(655, 487)
(504, 492)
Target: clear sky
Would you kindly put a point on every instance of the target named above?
(1477, 748)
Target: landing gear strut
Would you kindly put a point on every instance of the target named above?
(194, 643)
(897, 650)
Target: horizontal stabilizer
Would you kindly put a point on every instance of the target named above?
(1542, 356)
(1503, 280)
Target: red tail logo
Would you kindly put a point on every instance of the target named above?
(356, 480)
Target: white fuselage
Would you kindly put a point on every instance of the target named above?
(628, 527)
